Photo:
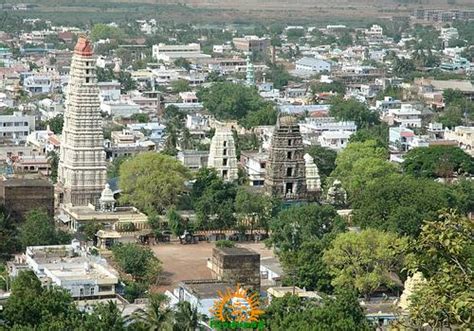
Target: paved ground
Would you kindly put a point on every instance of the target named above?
(183, 262)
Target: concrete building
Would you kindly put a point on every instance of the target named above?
(251, 44)
(237, 266)
(16, 128)
(448, 34)
(407, 115)
(82, 169)
(120, 109)
(36, 84)
(109, 91)
(127, 143)
(336, 140)
(254, 164)
(193, 160)
(308, 66)
(401, 138)
(70, 267)
(464, 136)
(21, 195)
(222, 155)
(285, 170)
(170, 53)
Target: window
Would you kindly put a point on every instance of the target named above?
(87, 79)
(224, 152)
(81, 292)
(290, 142)
(289, 187)
(225, 143)
(92, 290)
(289, 171)
(289, 155)
(224, 162)
(224, 173)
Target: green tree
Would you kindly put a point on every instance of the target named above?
(140, 117)
(183, 63)
(176, 223)
(253, 208)
(180, 85)
(399, 203)
(230, 101)
(353, 110)
(104, 31)
(300, 235)
(38, 229)
(127, 83)
(378, 132)
(105, 316)
(8, 235)
(453, 96)
(340, 313)
(264, 116)
(32, 307)
(138, 261)
(53, 160)
(451, 117)
(187, 317)
(225, 243)
(156, 317)
(279, 76)
(152, 181)
(364, 260)
(444, 254)
(113, 169)
(56, 124)
(438, 161)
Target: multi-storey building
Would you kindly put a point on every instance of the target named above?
(251, 44)
(82, 168)
(285, 175)
(16, 128)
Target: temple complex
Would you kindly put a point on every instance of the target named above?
(222, 156)
(286, 171)
(82, 167)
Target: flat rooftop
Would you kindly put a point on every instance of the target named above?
(236, 251)
(207, 288)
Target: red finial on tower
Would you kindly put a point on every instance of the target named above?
(83, 46)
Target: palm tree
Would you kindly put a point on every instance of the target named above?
(106, 316)
(156, 316)
(187, 317)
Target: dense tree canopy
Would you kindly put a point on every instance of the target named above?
(38, 229)
(364, 260)
(444, 254)
(399, 203)
(353, 110)
(138, 261)
(438, 161)
(8, 235)
(231, 101)
(342, 312)
(152, 181)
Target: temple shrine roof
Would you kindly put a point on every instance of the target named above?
(83, 47)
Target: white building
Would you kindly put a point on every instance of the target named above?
(36, 84)
(254, 164)
(464, 135)
(308, 66)
(109, 91)
(169, 53)
(16, 128)
(70, 267)
(387, 103)
(401, 138)
(124, 109)
(335, 140)
(406, 115)
(313, 180)
(374, 34)
(448, 34)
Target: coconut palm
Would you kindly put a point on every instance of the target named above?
(187, 317)
(156, 316)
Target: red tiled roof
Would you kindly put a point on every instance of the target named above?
(407, 134)
(83, 47)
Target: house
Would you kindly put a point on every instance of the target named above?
(464, 136)
(271, 271)
(193, 160)
(387, 103)
(407, 115)
(36, 84)
(336, 140)
(120, 108)
(70, 267)
(109, 91)
(400, 138)
(254, 164)
(16, 128)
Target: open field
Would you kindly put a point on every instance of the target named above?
(227, 11)
(183, 262)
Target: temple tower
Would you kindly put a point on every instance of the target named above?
(250, 73)
(286, 172)
(313, 180)
(222, 156)
(82, 167)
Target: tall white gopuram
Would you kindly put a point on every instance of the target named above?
(313, 180)
(222, 155)
(82, 167)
